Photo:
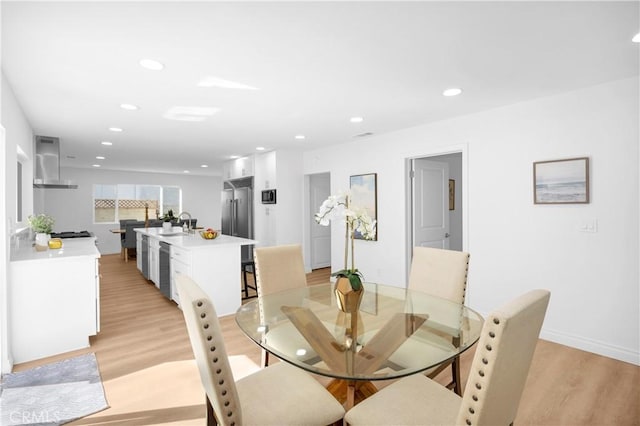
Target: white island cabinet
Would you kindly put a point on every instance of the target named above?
(215, 265)
(54, 299)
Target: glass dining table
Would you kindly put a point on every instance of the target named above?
(395, 333)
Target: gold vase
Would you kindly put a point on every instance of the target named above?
(347, 298)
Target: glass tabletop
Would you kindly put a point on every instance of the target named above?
(396, 332)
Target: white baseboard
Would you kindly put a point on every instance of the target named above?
(593, 346)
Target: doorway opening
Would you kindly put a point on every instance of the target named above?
(319, 189)
(436, 201)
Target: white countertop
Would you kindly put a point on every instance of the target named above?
(71, 247)
(189, 241)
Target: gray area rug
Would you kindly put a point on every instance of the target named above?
(52, 394)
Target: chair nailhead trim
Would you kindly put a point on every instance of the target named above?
(478, 386)
(469, 422)
(199, 304)
(475, 398)
(481, 373)
(485, 361)
(218, 371)
(496, 321)
(492, 334)
(209, 338)
(213, 348)
(488, 347)
(215, 359)
(203, 315)
(221, 382)
(471, 410)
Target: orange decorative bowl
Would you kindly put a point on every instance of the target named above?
(208, 235)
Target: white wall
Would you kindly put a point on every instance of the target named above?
(72, 209)
(516, 245)
(17, 133)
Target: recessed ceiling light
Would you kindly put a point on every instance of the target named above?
(356, 119)
(300, 137)
(99, 157)
(71, 157)
(212, 81)
(129, 107)
(186, 171)
(151, 64)
(186, 113)
(96, 165)
(454, 91)
(260, 148)
(107, 143)
(115, 129)
(233, 157)
(636, 38)
(204, 166)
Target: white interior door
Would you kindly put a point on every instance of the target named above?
(430, 204)
(320, 189)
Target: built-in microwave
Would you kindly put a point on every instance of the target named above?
(269, 196)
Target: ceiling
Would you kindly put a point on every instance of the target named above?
(313, 65)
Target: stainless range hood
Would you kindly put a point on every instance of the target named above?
(47, 165)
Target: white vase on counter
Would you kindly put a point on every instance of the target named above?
(42, 241)
(167, 226)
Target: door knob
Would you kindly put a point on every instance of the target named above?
(447, 235)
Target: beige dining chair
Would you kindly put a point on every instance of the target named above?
(496, 380)
(277, 395)
(442, 273)
(278, 268)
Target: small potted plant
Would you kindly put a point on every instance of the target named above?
(169, 219)
(42, 225)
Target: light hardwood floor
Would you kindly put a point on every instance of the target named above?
(149, 377)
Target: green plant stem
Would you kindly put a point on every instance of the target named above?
(346, 244)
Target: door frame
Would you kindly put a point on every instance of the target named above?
(436, 152)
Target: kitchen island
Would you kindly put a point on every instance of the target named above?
(54, 298)
(213, 264)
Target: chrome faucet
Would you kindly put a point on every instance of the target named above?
(189, 230)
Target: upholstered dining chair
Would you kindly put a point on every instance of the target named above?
(278, 268)
(496, 380)
(442, 273)
(277, 395)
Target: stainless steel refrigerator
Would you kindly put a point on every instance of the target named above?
(237, 212)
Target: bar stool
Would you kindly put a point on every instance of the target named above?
(248, 266)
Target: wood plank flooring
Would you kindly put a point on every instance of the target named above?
(149, 377)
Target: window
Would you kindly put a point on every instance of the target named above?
(113, 203)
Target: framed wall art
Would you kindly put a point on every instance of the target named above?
(364, 194)
(561, 181)
(452, 194)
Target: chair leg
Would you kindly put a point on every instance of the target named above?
(265, 359)
(126, 255)
(455, 375)
(211, 418)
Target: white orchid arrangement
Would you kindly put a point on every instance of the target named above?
(357, 220)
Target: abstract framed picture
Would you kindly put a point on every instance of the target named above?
(452, 194)
(561, 181)
(364, 194)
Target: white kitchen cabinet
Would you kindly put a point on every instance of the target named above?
(238, 168)
(138, 251)
(180, 264)
(54, 299)
(154, 261)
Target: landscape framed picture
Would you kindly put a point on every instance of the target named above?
(364, 194)
(561, 181)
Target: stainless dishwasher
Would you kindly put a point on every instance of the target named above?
(165, 269)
